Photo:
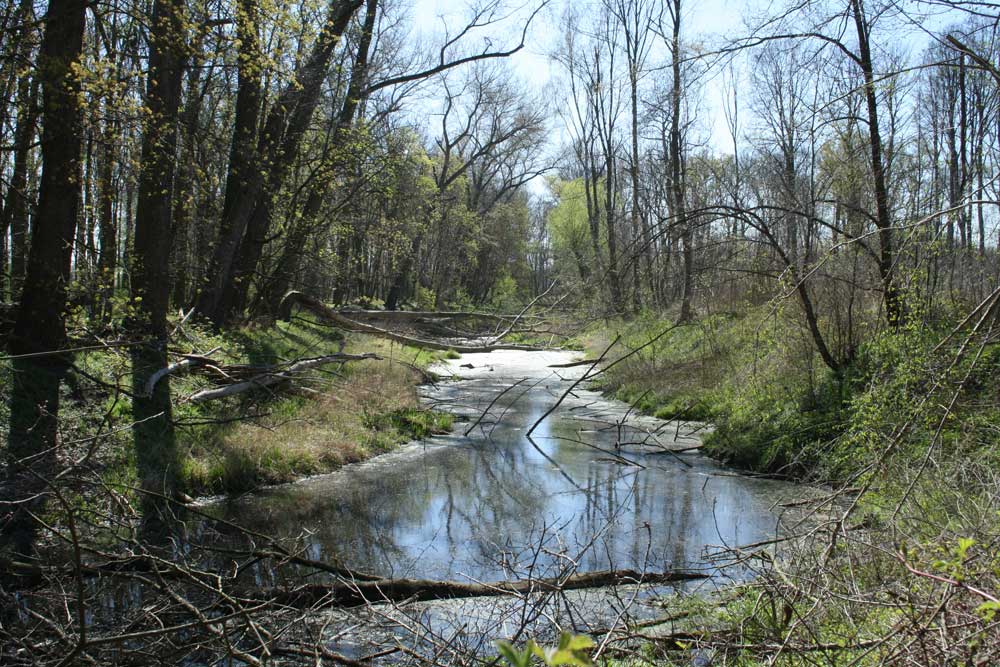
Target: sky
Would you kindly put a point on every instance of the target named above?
(706, 22)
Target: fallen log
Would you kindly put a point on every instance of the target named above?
(320, 309)
(187, 363)
(421, 315)
(268, 378)
(355, 593)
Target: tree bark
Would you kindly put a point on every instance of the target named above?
(40, 323)
(152, 431)
(279, 146)
(243, 177)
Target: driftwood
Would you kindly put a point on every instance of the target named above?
(268, 378)
(355, 593)
(320, 309)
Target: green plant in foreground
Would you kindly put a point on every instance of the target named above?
(571, 650)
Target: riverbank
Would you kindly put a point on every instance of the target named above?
(775, 408)
(335, 414)
(904, 435)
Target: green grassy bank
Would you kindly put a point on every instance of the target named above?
(336, 414)
(778, 409)
(906, 439)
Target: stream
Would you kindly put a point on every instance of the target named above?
(479, 507)
(595, 487)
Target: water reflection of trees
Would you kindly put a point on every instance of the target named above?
(480, 506)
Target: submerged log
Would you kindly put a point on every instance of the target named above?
(323, 311)
(346, 594)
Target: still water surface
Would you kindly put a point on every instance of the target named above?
(495, 504)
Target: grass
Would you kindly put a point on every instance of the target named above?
(338, 414)
(349, 413)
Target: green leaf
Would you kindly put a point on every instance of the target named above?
(964, 544)
(988, 610)
(514, 657)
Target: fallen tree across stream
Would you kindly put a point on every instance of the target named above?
(353, 593)
(344, 320)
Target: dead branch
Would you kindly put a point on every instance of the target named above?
(188, 362)
(268, 378)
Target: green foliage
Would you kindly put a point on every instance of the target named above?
(571, 650)
(569, 227)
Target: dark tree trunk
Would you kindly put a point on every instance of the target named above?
(107, 261)
(243, 178)
(40, 324)
(894, 304)
(185, 200)
(279, 145)
(15, 210)
(152, 431)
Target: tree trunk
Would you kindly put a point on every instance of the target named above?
(186, 195)
(637, 251)
(15, 209)
(152, 430)
(894, 304)
(243, 178)
(40, 324)
(678, 194)
(279, 145)
(107, 260)
(399, 590)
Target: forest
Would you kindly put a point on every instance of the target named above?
(239, 239)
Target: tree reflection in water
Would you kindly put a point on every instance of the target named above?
(480, 506)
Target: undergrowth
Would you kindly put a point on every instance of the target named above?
(901, 566)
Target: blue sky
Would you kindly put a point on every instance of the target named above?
(707, 22)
